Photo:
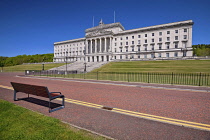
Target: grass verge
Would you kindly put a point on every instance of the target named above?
(20, 123)
(32, 67)
(165, 66)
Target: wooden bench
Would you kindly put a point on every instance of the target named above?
(38, 91)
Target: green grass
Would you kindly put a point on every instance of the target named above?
(32, 67)
(178, 66)
(20, 123)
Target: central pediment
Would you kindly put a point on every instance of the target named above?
(99, 33)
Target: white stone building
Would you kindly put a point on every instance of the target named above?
(111, 42)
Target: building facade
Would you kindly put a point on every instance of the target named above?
(111, 42)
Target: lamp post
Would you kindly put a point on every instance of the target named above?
(43, 63)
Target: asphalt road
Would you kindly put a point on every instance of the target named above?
(138, 111)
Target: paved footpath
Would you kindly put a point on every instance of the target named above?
(123, 110)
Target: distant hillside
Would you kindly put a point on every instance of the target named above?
(20, 59)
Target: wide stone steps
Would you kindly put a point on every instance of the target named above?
(80, 66)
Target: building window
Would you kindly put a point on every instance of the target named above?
(139, 36)
(152, 47)
(120, 56)
(138, 56)
(126, 38)
(126, 49)
(115, 39)
(145, 56)
(176, 37)
(132, 42)
(132, 37)
(160, 46)
(132, 56)
(145, 48)
(159, 55)
(145, 35)
(168, 32)
(167, 54)
(167, 46)
(160, 33)
(176, 31)
(153, 40)
(185, 44)
(121, 43)
(168, 38)
(152, 55)
(121, 38)
(184, 54)
(115, 49)
(153, 34)
(175, 54)
(132, 48)
(139, 48)
(115, 44)
(120, 49)
(176, 45)
(126, 43)
(115, 57)
(139, 41)
(185, 36)
(160, 39)
(145, 41)
(185, 30)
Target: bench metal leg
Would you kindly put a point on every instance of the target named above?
(63, 105)
(15, 92)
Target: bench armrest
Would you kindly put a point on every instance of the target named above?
(55, 92)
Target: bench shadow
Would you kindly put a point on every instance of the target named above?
(41, 102)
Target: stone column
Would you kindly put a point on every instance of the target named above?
(86, 46)
(105, 47)
(90, 46)
(110, 39)
(100, 42)
(96, 49)
(110, 44)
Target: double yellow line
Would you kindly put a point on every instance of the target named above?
(183, 123)
(189, 124)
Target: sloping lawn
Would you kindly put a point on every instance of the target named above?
(178, 66)
(17, 123)
(32, 67)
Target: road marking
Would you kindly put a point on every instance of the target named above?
(177, 122)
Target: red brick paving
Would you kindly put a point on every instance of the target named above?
(185, 105)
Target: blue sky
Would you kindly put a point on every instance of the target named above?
(32, 26)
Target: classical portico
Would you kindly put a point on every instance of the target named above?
(98, 44)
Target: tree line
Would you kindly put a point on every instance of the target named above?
(20, 59)
(201, 50)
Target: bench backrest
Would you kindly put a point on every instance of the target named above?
(31, 89)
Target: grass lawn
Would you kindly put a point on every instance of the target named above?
(20, 123)
(32, 67)
(165, 66)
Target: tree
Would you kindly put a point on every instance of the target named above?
(2, 62)
(201, 50)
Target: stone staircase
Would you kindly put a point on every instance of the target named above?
(80, 66)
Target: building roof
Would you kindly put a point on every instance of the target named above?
(69, 41)
(104, 26)
(161, 26)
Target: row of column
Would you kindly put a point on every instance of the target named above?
(98, 45)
